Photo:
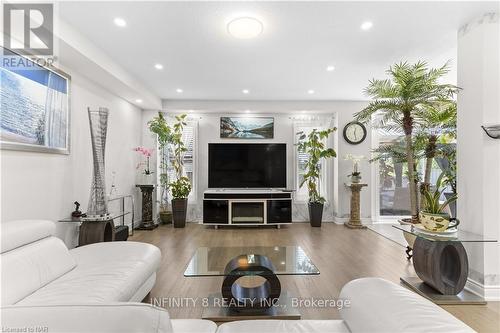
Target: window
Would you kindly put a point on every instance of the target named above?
(301, 159)
(393, 187)
(189, 137)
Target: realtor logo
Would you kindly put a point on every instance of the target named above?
(28, 28)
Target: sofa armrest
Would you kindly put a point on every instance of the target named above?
(105, 318)
(378, 305)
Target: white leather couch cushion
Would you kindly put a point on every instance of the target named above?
(28, 268)
(105, 272)
(18, 233)
(193, 326)
(82, 318)
(379, 305)
(284, 326)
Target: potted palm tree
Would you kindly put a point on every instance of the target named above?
(435, 123)
(313, 144)
(181, 186)
(164, 133)
(409, 88)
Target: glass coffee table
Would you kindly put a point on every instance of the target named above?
(250, 287)
(441, 264)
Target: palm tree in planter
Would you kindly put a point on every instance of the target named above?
(313, 144)
(435, 124)
(410, 87)
(164, 133)
(181, 186)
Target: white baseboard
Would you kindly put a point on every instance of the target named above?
(490, 293)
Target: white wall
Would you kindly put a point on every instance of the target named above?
(478, 155)
(208, 113)
(44, 186)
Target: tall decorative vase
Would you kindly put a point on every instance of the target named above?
(98, 205)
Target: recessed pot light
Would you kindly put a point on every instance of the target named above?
(330, 68)
(366, 25)
(179, 90)
(158, 66)
(310, 91)
(247, 111)
(138, 100)
(120, 22)
(245, 27)
(245, 91)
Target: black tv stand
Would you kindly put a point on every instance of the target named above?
(247, 207)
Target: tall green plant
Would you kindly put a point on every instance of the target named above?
(164, 135)
(409, 88)
(181, 186)
(434, 122)
(313, 145)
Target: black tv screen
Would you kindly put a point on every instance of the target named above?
(246, 165)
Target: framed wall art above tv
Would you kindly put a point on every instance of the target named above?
(247, 127)
(35, 104)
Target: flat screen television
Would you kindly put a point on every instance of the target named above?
(246, 165)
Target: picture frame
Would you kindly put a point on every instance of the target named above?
(35, 105)
(241, 127)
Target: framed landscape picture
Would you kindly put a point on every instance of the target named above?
(247, 127)
(35, 106)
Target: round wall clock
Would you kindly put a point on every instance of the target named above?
(354, 132)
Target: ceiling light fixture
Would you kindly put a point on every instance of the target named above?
(245, 91)
(138, 100)
(158, 66)
(330, 68)
(245, 27)
(247, 111)
(179, 90)
(366, 25)
(120, 22)
(310, 91)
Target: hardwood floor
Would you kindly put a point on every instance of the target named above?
(341, 254)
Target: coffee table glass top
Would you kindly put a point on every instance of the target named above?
(457, 236)
(287, 260)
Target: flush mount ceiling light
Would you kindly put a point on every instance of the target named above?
(158, 66)
(366, 25)
(310, 91)
(245, 27)
(330, 68)
(179, 90)
(138, 100)
(120, 22)
(245, 91)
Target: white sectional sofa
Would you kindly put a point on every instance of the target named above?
(95, 288)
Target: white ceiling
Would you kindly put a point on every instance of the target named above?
(299, 41)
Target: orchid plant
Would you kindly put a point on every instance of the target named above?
(145, 152)
(355, 163)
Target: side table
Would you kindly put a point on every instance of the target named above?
(355, 219)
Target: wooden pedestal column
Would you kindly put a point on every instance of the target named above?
(147, 207)
(355, 219)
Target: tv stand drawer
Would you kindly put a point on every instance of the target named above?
(216, 211)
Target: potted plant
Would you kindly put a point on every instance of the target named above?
(146, 174)
(433, 217)
(181, 186)
(159, 126)
(313, 144)
(355, 175)
(397, 100)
